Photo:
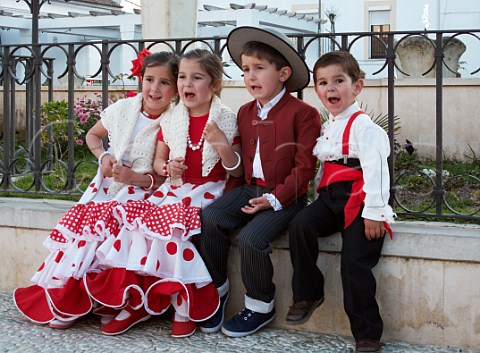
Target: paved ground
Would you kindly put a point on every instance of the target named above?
(19, 335)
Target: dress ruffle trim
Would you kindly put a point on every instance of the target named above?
(159, 257)
(117, 287)
(42, 305)
(63, 264)
(86, 221)
(160, 221)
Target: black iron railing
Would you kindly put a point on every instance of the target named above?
(26, 162)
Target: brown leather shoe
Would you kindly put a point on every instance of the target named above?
(301, 311)
(367, 345)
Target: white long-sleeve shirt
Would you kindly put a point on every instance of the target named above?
(369, 143)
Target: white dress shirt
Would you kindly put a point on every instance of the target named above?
(257, 171)
(369, 143)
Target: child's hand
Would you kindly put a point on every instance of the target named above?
(214, 136)
(123, 174)
(374, 229)
(107, 166)
(176, 167)
(256, 205)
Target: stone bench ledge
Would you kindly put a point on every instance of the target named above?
(412, 239)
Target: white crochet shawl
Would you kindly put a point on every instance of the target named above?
(120, 119)
(175, 124)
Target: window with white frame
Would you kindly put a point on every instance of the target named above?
(379, 21)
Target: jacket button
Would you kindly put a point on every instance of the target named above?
(254, 122)
(252, 141)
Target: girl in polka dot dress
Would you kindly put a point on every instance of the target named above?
(125, 173)
(152, 263)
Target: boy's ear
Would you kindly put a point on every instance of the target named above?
(358, 87)
(285, 73)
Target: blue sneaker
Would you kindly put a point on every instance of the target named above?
(214, 323)
(246, 322)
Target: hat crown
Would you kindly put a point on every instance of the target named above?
(240, 36)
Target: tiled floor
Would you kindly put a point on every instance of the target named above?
(19, 335)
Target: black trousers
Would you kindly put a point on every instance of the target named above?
(322, 218)
(222, 217)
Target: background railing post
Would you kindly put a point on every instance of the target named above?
(7, 153)
(391, 111)
(301, 51)
(71, 117)
(439, 190)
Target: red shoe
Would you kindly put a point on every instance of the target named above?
(183, 328)
(106, 314)
(60, 324)
(127, 318)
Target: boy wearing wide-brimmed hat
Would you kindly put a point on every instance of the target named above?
(277, 134)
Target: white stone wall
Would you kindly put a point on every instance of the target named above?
(428, 277)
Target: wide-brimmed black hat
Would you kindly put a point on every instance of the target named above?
(240, 36)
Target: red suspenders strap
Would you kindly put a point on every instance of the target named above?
(346, 134)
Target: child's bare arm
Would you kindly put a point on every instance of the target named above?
(162, 166)
(94, 139)
(161, 157)
(230, 155)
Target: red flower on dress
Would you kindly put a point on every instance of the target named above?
(138, 63)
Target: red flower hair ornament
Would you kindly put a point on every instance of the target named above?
(130, 94)
(137, 64)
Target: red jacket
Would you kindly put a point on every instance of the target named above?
(287, 137)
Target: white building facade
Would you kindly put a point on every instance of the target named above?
(95, 20)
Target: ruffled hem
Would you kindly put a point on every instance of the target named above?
(72, 261)
(198, 304)
(118, 287)
(162, 258)
(42, 305)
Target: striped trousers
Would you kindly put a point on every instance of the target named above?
(253, 241)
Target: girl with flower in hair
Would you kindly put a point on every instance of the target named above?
(125, 173)
(152, 263)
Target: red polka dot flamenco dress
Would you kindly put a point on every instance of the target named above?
(59, 290)
(153, 262)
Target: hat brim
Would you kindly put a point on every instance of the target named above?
(240, 36)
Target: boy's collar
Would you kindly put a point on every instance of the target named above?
(274, 100)
(353, 108)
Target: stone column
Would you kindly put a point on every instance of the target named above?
(163, 19)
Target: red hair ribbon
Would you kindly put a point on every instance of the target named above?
(137, 64)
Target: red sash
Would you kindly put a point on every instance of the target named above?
(333, 173)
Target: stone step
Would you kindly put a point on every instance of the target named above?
(17, 334)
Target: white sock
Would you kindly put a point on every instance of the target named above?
(179, 318)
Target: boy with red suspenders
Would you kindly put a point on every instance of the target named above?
(352, 198)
